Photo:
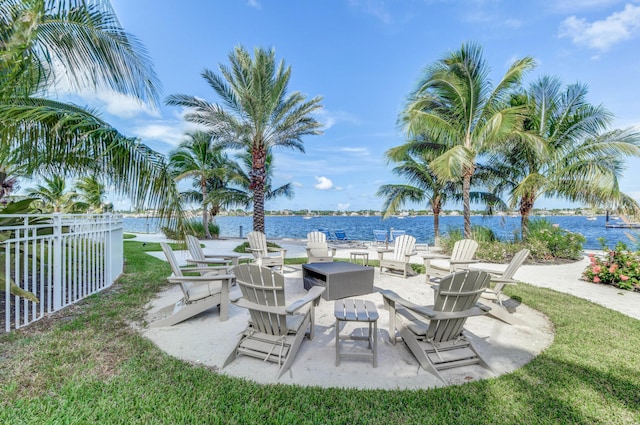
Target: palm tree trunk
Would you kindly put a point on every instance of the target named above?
(526, 205)
(258, 208)
(205, 212)
(466, 202)
(436, 207)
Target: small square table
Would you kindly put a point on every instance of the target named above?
(354, 310)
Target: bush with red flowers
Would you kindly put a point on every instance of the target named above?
(619, 267)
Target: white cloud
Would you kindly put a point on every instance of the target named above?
(330, 118)
(364, 151)
(296, 184)
(169, 133)
(323, 183)
(344, 207)
(603, 34)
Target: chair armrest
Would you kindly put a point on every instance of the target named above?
(204, 269)
(463, 261)
(211, 278)
(476, 310)
(271, 249)
(393, 298)
(213, 260)
(434, 256)
(382, 250)
(245, 303)
(505, 281)
(312, 296)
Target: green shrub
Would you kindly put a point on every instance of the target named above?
(243, 248)
(619, 268)
(561, 243)
(546, 241)
(197, 229)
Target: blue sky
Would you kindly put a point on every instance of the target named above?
(363, 57)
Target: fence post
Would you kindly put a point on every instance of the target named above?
(57, 262)
(114, 249)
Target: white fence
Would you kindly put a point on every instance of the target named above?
(61, 258)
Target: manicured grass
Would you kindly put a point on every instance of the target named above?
(88, 365)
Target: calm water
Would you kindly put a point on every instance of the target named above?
(361, 228)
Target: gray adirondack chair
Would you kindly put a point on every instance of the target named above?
(398, 258)
(317, 249)
(461, 257)
(275, 330)
(208, 289)
(262, 254)
(434, 334)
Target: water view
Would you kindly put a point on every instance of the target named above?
(421, 227)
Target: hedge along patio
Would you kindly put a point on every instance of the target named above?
(88, 364)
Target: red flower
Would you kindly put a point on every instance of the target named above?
(624, 278)
(596, 279)
(596, 269)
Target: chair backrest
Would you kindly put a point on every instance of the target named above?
(171, 258)
(456, 292)
(340, 235)
(257, 240)
(195, 250)
(405, 244)
(327, 235)
(263, 286)
(317, 244)
(380, 236)
(464, 249)
(515, 263)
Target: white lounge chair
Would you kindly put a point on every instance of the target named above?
(461, 257)
(398, 257)
(264, 255)
(317, 249)
(200, 293)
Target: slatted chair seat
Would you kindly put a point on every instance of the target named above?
(434, 334)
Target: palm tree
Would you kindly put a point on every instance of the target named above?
(258, 114)
(54, 195)
(79, 44)
(456, 105)
(196, 158)
(581, 160)
(91, 194)
(422, 184)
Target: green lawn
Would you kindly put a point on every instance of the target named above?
(87, 365)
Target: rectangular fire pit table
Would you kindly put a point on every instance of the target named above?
(341, 279)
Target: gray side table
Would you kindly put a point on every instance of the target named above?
(355, 310)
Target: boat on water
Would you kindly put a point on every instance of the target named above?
(592, 217)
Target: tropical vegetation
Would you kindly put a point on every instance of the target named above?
(508, 142)
(49, 46)
(257, 115)
(455, 105)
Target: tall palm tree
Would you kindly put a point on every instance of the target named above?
(581, 160)
(54, 195)
(207, 165)
(258, 113)
(80, 45)
(456, 105)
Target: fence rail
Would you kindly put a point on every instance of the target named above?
(60, 258)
